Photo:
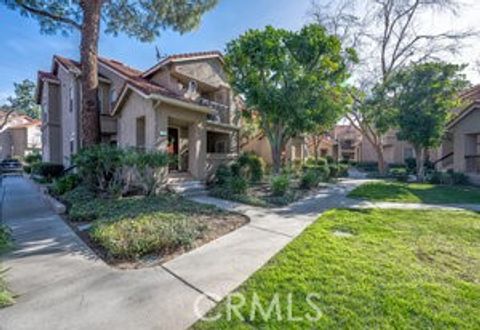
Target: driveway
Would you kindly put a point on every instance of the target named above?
(61, 284)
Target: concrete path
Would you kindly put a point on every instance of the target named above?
(62, 285)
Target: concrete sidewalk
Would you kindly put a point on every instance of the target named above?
(62, 285)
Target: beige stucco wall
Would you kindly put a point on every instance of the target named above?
(295, 149)
(394, 150)
(468, 125)
(51, 121)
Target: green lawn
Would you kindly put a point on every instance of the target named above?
(132, 227)
(6, 297)
(417, 193)
(399, 270)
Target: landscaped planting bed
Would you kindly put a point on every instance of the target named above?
(6, 297)
(417, 193)
(140, 230)
(366, 269)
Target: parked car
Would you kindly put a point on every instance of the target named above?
(10, 166)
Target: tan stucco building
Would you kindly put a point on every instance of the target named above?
(20, 136)
(183, 105)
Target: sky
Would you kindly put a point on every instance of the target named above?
(24, 51)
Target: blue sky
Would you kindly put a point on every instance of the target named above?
(25, 50)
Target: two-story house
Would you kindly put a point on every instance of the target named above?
(183, 105)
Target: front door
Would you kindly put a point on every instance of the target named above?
(173, 138)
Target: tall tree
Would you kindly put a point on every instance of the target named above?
(389, 35)
(423, 96)
(290, 80)
(24, 99)
(139, 19)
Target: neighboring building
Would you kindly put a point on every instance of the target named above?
(20, 136)
(295, 150)
(183, 105)
(395, 151)
(349, 142)
(460, 150)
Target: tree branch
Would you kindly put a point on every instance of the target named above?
(5, 119)
(47, 14)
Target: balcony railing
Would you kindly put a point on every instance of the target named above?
(472, 164)
(222, 111)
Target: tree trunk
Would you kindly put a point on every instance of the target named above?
(277, 149)
(316, 144)
(382, 168)
(420, 157)
(89, 114)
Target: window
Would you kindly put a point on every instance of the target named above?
(192, 87)
(113, 95)
(72, 146)
(218, 143)
(140, 131)
(70, 98)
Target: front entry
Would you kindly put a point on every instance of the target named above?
(173, 145)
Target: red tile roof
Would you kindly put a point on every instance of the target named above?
(471, 94)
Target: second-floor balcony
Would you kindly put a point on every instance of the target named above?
(222, 111)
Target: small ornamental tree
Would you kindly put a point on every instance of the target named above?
(290, 80)
(139, 19)
(423, 96)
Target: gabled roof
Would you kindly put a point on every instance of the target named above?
(184, 57)
(472, 97)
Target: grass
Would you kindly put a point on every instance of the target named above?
(6, 298)
(399, 270)
(132, 227)
(417, 193)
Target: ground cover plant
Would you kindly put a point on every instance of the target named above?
(417, 193)
(6, 297)
(127, 229)
(368, 269)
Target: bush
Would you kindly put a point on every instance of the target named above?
(108, 169)
(368, 166)
(250, 167)
(411, 165)
(450, 178)
(27, 169)
(150, 233)
(222, 174)
(280, 185)
(310, 179)
(330, 160)
(334, 170)
(313, 162)
(323, 171)
(399, 174)
(64, 184)
(48, 170)
(237, 185)
(343, 170)
(5, 238)
(33, 158)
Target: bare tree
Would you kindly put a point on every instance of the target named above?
(7, 111)
(388, 35)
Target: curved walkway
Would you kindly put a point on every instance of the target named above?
(61, 284)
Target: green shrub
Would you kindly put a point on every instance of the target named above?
(343, 170)
(323, 171)
(280, 185)
(368, 166)
(131, 238)
(310, 179)
(27, 169)
(411, 165)
(313, 161)
(330, 160)
(64, 184)
(334, 170)
(250, 167)
(237, 185)
(33, 158)
(5, 238)
(449, 178)
(398, 173)
(222, 174)
(48, 170)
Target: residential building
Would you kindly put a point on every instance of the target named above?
(460, 150)
(183, 105)
(20, 136)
